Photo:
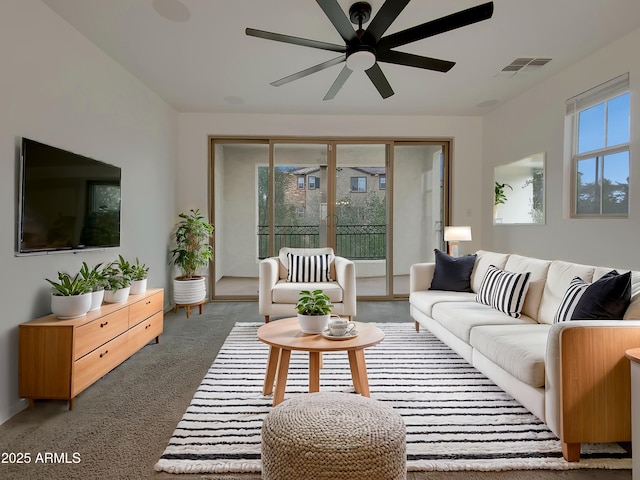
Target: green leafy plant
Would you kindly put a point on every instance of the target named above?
(94, 277)
(118, 274)
(139, 271)
(313, 303)
(499, 195)
(193, 249)
(68, 285)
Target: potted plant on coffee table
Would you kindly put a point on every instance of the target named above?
(95, 280)
(71, 296)
(191, 253)
(138, 278)
(314, 309)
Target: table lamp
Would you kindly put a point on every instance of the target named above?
(453, 235)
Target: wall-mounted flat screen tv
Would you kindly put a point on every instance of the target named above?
(67, 202)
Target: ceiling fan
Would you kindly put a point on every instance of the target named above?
(364, 49)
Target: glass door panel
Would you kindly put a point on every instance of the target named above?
(300, 195)
(418, 213)
(360, 220)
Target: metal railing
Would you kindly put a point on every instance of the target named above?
(356, 242)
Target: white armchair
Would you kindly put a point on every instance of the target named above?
(278, 296)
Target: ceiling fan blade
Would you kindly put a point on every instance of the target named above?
(411, 60)
(435, 27)
(339, 19)
(338, 83)
(376, 76)
(383, 19)
(309, 71)
(305, 42)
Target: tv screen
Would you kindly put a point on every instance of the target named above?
(67, 201)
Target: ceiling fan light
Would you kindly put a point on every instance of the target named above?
(361, 61)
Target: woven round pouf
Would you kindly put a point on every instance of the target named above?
(333, 436)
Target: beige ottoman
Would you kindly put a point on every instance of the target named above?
(333, 436)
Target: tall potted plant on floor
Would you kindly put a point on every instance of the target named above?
(192, 252)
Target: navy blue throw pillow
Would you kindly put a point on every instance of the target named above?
(605, 299)
(451, 273)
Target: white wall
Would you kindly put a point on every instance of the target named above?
(466, 133)
(534, 122)
(58, 88)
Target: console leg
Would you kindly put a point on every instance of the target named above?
(571, 452)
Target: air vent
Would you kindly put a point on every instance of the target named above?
(523, 64)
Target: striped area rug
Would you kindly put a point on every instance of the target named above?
(456, 418)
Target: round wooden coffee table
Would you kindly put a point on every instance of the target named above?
(284, 335)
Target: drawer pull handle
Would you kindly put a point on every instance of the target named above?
(149, 302)
(104, 324)
(147, 326)
(103, 354)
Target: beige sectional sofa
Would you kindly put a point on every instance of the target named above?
(572, 375)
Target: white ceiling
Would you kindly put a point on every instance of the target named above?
(196, 56)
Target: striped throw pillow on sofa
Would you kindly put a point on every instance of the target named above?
(309, 268)
(505, 291)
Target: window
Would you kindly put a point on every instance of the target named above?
(300, 211)
(300, 182)
(358, 184)
(382, 182)
(600, 119)
(314, 183)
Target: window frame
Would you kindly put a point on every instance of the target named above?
(601, 94)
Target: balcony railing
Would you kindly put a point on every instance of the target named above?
(356, 242)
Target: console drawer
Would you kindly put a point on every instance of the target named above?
(91, 335)
(102, 360)
(144, 332)
(145, 308)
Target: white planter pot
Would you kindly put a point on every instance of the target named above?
(116, 296)
(70, 306)
(187, 292)
(96, 300)
(138, 287)
(313, 323)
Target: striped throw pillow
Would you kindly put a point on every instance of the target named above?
(505, 291)
(309, 268)
(572, 295)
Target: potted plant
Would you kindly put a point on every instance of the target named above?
(117, 281)
(192, 252)
(500, 197)
(71, 296)
(95, 280)
(138, 278)
(314, 309)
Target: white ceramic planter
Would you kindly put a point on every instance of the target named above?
(313, 323)
(96, 300)
(116, 296)
(71, 306)
(138, 287)
(187, 292)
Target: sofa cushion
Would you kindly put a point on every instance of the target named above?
(452, 273)
(483, 260)
(558, 277)
(633, 311)
(424, 300)
(284, 262)
(309, 268)
(605, 299)
(539, 270)
(288, 292)
(518, 349)
(460, 317)
(504, 291)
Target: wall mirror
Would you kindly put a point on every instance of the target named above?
(519, 191)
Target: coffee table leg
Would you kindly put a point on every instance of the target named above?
(281, 380)
(272, 368)
(353, 365)
(314, 371)
(361, 367)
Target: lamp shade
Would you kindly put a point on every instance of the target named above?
(457, 234)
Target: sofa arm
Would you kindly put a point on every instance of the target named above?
(588, 391)
(269, 274)
(346, 278)
(420, 276)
